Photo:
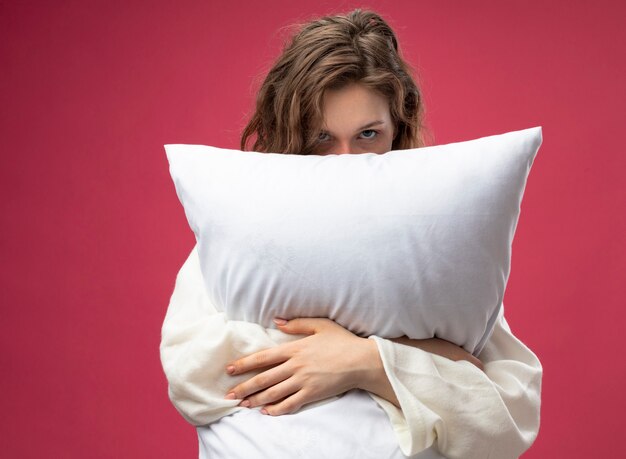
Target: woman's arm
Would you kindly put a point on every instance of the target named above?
(377, 382)
(441, 347)
(381, 384)
(197, 342)
(329, 360)
(468, 413)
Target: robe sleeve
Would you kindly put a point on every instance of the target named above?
(466, 412)
(197, 342)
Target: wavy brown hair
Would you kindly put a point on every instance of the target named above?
(328, 53)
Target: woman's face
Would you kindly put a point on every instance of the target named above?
(356, 119)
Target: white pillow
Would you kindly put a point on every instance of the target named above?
(410, 242)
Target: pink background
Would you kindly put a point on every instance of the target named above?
(93, 234)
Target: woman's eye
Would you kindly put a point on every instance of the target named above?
(369, 134)
(323, 137)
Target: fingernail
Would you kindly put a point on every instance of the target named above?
(245, 403)
(264, 411)
(230, 369)
(230, 396)
(279, 321)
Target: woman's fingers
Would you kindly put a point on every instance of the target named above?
(323, 364)
(272, 394)
(289, 404)
(260, 359)
(302, 326)
(282, 352)
(259, 382)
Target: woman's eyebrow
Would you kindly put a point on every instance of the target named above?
(362, 128)
(372, 124)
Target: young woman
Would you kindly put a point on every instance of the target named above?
(341, 87)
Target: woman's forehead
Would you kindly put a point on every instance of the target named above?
(354, 106)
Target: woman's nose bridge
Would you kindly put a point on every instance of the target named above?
(344, 147)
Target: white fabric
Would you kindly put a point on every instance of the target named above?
(410, 242)
(448, 409)
(361, 431)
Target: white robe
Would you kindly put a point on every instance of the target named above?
(449, 409)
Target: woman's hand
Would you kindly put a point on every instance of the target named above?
(330, 361)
